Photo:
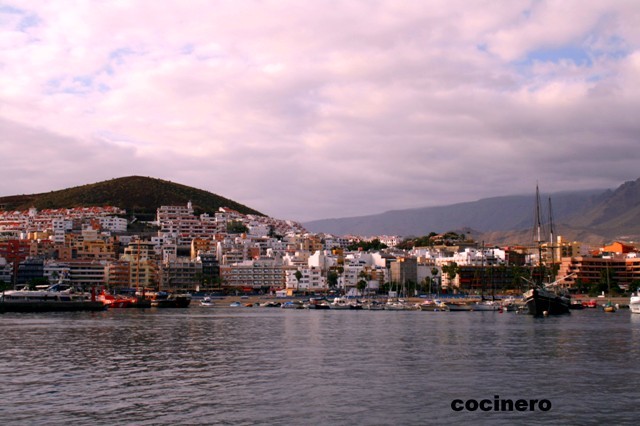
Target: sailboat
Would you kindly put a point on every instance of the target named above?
(545, 298)
(609, 307)
(484, 304)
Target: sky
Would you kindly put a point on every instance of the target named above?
(318, 109)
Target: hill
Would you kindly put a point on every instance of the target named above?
(139, 195)
(592, 216)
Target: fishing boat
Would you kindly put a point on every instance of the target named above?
(55, 298)
(634, 303)
(545, 298)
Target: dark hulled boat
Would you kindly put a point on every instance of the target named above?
(541, 301)
(166, 300)
(545, 299)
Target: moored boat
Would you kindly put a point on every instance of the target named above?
(206, 301)
(166, 300)
(55, 298)
(541, 301)
(318, 304)
(433, 306)
(458, 307)
(340, 303)
(576, 305)
(545, 298)
(486, 305)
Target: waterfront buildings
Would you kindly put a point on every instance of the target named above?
(227, 250)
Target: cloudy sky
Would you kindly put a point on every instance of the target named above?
(316, 109)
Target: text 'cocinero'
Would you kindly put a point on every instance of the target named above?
(499, 404)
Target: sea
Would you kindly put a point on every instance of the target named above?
(271, 366)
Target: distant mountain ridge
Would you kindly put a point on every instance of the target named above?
(590, 216)
(137, 194)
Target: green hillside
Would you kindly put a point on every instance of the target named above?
(139, 195)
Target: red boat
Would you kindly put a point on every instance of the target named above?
(590, 303)
(119, 301)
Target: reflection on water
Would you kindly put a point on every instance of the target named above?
(277, 366)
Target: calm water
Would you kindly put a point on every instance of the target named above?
(278, 366)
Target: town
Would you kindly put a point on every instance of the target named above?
(233, 253)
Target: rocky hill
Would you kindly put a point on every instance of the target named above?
(139, 195)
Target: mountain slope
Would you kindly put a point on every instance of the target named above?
(137, 194)
(498, 214)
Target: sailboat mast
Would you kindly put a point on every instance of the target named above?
(538, 230)
(551, 241)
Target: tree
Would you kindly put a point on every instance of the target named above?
(451, 270)
(332, 279)
(298, 276)
(236, 227)
(361, 286)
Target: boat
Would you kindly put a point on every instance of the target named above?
(123, 301)
(458, 306)
(634, 303)
(340, 303)
(292, 304)
(235, 304)
(206, 301)
(593, 303)
(396, 305)
(509, 304)
(486, 305)
(545, 298)
(55, 298)
(167, 300)
(433, 306)
(609, 307)
(372, 305)
(318, 304)
(576, 305)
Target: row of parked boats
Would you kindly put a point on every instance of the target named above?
(392, 304)
(63, 297)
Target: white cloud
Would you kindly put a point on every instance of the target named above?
(305, 111)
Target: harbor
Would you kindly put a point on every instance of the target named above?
(226, 365)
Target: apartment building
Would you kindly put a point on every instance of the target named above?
(254, 275)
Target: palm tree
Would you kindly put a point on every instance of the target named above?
(451, 270)
(298, 276)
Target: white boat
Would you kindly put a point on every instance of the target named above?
(510, 304)
(340, 303)
(634, 303)
(486, 305)
(373, 305)
(57, 297)
(206, 301)
(396, 305)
